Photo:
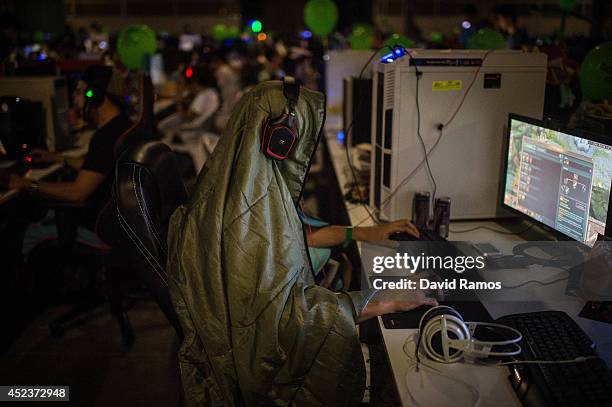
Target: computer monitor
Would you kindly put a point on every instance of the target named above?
(52, 91)
(21, 127)
(156, 69)
(188, 42)
(558, 178)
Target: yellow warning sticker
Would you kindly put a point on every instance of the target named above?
(446, 85)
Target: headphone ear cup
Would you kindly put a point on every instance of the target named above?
(93, 96)
(279, 137)
(437, 327)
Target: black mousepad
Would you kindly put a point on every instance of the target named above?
(469, 310)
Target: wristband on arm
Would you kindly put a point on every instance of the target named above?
(348, 236)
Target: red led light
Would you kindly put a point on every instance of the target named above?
(28, 159)
(189, 72)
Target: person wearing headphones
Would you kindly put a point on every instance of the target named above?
(94, 179)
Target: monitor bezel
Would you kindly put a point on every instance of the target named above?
(556, 127)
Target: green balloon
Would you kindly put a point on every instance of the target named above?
(320, 16)
(487, 38)
(232, 31)
(362, 37)
(596, 73)
(219, 32)
(134, 44)
(436, 37)
(567, 5)
(397, 39)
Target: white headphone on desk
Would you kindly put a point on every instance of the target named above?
(445, 337)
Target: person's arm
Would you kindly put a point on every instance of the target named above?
(378, 308)
(75, 192)
(45, 156)
(335, 235)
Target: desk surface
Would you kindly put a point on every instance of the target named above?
(491, 382)
(80, 150)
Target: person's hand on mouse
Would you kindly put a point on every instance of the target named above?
(13, 181)
(392, 301)
(384, 231)
(45, 156)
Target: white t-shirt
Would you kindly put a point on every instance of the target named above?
(205, 103)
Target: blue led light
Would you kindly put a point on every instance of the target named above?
(387, 58)
(306, 34)
(340, 137)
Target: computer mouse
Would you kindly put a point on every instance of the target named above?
(402, 236)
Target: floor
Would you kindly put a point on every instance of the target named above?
(91, 359)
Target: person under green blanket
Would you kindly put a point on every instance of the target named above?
(258, 330)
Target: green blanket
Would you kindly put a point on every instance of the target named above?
(257, 329)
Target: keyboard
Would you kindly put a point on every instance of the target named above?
(425, 235)
(553, 335)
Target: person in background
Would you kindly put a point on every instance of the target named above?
(300, 61)
(187, 126)
(272, 67)
(228, 82)
(94, 179)
(205, 103)
(506, 24)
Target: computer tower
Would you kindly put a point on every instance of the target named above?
(21, 127)
(475, 90)
(357, 105)
(52, 91)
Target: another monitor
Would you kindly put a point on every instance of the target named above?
(357, 104)
(52, 91)
(187, 42)
(558, 178)
(21, 127)
(156, 70)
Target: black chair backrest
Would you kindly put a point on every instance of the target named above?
(141, 131)
(144, 126)
(148, 188)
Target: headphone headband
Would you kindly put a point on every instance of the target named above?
(446, 337)
(291, 90)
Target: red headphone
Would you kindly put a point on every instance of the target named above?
(280, 134)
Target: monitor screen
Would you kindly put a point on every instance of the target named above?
(558, 179)
(187, 42)
(157, 69)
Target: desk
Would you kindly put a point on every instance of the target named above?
(80, 150)
(428, 388)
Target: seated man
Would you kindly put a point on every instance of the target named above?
(190, 125)
(258, 331)
(94, 180)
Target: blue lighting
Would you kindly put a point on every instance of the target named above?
(466, 25)
(306, 34)
(398, 52)
(340, 137)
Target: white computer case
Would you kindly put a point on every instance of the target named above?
(466, 163)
